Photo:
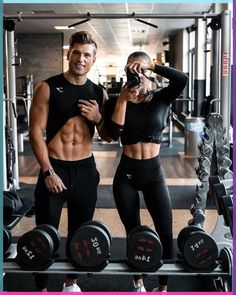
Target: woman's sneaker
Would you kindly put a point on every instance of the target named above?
(72, 288)
(139, 288)
(157, 290)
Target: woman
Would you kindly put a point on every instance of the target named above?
(138, 116)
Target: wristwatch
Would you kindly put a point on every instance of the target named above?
(48, 172)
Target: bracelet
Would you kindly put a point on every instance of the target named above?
(100, 122)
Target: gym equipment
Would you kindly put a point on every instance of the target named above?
(228, 183)
(214, 163)
(198, 216)
(225, 203)
(202, 173)
(35, 249)
(225, 162)
(225, 173)
(229, 214)
(53, 233)
(199, 249)
(223, 269)
(90, 246)
(205, 149)
(221, 191)
(12, 204)
(7, 238)
(144, 249)
(204, 161)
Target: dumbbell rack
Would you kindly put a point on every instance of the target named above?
(221, 274)
(214, 159)
(119, 267)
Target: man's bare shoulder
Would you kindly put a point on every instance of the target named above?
(42, 86)
(41, 92)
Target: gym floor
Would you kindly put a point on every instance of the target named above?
(179, 171)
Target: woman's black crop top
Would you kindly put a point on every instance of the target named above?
(145, 121)
(63, 102)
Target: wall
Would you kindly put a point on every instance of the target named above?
(41, 55)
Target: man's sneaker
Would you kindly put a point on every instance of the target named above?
(72, 288)
(139, 288)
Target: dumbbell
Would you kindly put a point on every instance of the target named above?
(199, 249)
(203, 173)
(36, 248)
(205, 149)
(219, 188)
(144, 249)
(229, 213)
(90, 246)
(7, 237)
(224, 162)
(204, 162)
(198, 216)
(225, 173)
(224, 203)
(223, 150)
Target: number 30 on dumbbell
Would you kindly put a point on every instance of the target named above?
(35, 249)
(90, 246)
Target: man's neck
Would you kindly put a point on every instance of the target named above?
(74, 79)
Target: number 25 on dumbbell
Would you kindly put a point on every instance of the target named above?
(199, 249)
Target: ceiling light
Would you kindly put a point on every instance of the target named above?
(43, 12)
(63, 28)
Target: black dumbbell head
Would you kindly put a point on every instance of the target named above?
(200, 251)
(99, 224)
(53, 233)
(184, 233)
(230, 218)
(219, 191)
(142, 228)
(34, 249)
(6, 239)
(90, 246)
(144, 249)
(224, 203)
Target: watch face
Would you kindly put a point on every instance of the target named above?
(50, 171)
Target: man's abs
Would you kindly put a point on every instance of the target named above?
(73, 142)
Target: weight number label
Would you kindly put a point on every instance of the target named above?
(96, 245)
(29, 253)
(197, 245)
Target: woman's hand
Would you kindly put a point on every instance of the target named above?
(129, 94)
(137, 67)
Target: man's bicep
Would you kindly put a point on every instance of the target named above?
(40, 106)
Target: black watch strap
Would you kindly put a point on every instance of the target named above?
(48, 172)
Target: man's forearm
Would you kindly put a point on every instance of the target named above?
(41, 152)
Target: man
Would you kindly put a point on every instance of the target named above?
(67, 107)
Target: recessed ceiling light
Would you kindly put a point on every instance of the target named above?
(43, 12)
(64, 28)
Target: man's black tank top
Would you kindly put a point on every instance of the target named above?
(63, 102)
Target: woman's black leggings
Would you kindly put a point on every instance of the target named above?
(147, 176)
(81, 179)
